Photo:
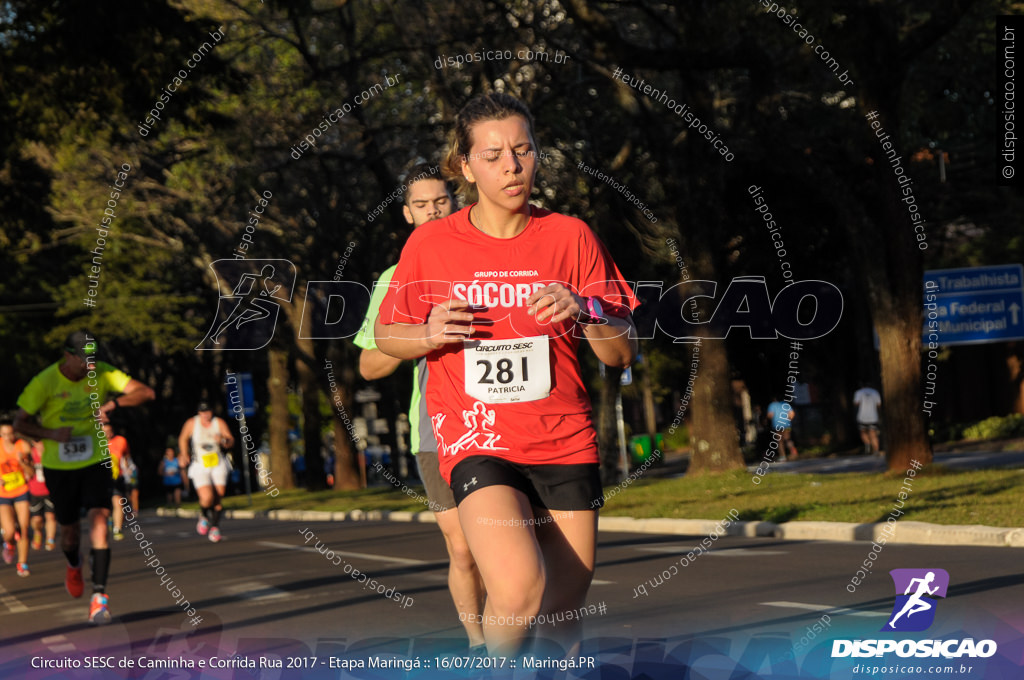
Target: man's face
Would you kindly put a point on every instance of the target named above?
(7, 433)
(75, 367)
(205, 417)
(427, 200)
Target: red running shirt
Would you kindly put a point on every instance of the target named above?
(450, 258)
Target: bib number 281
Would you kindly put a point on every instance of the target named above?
(505, 371)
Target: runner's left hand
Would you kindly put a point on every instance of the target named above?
(105, 409)
(555, 303)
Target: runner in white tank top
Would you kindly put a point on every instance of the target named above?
(201, 444)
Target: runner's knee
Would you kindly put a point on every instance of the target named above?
(460, 556)
(523, 602)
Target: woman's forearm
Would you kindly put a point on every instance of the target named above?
(401, 340)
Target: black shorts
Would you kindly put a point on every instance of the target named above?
(71, 490)
(438, 492)
(39, 505)
(867, 427)
(120, 488)
(555, 487)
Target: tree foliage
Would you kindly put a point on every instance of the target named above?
(78, 82)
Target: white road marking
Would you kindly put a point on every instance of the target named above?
(255, 590)
(12, 603)
(363, 556)
(722, 552)
(51, 643)
(824, 608)
(76, 613)
(51, 605)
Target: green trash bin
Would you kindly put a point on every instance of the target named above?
(659, 446)
(640, 448)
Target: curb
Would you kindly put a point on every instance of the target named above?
(906, 533)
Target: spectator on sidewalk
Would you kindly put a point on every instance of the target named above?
(868, 400)
(780, 416)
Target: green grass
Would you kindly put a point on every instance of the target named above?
(940, 496)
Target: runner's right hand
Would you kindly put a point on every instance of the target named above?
(449, 322)
(61, 434)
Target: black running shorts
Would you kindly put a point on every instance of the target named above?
(555, 487)
(71, 490)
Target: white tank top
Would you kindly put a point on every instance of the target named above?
(205, 439)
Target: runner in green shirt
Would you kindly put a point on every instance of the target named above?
(66, 406)
(428, 197)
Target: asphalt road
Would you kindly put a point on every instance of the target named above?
(958, 460)
(264, 593)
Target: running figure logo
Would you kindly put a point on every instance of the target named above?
(479, 434)
(247, 315)
(915, 611)
(436, 421)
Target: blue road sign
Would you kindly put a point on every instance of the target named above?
(974, 305)
(248, 397)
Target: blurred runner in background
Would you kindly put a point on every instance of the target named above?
(65, 405)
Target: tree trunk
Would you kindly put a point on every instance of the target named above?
(905, 435)
(607, 431)
(895, 282)
(650, 418)
(349, 472)
(310, 386)
(891, 270)
(277, 388)
(714, 439)
(312, 424)
(349, 469)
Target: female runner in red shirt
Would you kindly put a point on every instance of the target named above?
(498, 296)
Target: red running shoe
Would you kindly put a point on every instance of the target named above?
(99, 613)
(73, 581)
